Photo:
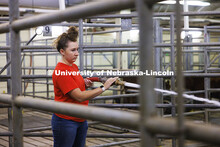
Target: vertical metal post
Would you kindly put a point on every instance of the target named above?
(115, 58)
(16, 75)
(33, 80)
(56, 60)
(147, 95)
(206, 63)
(47, 66)
(92, 36)
(180, 82)
(86, 61)
(120, 53)
(157, 59)
(188, 56)
(92, 61)
(129, 55)
(81, 53)
(172, 58)
(186, 18)
(92, 54)
(8, 57)
(24, 72)
(47, 80)
(157, 54)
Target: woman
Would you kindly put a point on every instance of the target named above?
(71, 131)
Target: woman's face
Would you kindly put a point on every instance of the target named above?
(71, 53)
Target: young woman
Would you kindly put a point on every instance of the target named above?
(71, 131)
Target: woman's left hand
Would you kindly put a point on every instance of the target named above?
(88, 83)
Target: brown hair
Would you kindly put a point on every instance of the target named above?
(62, 40)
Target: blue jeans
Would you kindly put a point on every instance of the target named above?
(68, 133)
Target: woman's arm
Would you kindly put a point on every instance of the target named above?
(81, 96)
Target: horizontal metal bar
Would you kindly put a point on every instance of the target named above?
(4, 28)
(110, 49)
(201, 44)
(117, 143)
(194, 71)
(76, 12)
(6, 98)
(213, 89)
(88, 135)
(186, 113)
(104, 32)
(4, 47)
(213, 69)
(87, 25)
(38, 50)
(115, 96)
(98, 135)
(2, 77)
(39, 68)
(113, 135)
(42, 97)
(194, 92)
(37, 47)
(105, 115)
(196, 106)
(213, 27)
(38, 129)
(35, 76)
(192, 131)
(209, 134)
(189, 29)
(120, 46)
(111, 46)
(39, 91)
(189, 92)
(28, 81)
(202, 75)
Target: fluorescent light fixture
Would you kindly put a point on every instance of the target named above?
(58, 30)
(195, 34)
(134, 35)
(39, 30)
(189, 2)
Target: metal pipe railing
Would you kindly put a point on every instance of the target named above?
(126, 46)
(198, 132)
(76, 12)
(194, 106)
(4, 77)
(27, 134)
(117, 143)
(15, 74)
(104, 115)
(180, 83)
(147, 108)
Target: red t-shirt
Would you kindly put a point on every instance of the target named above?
(64, 80)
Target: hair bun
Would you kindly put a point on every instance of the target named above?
(72, 34)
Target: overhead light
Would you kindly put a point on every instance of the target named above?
(39, 30)
(189, 2)
(194, 34)
(134, 35)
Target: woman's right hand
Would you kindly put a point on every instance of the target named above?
(109, 82)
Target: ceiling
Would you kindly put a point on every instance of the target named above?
(43, 6)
